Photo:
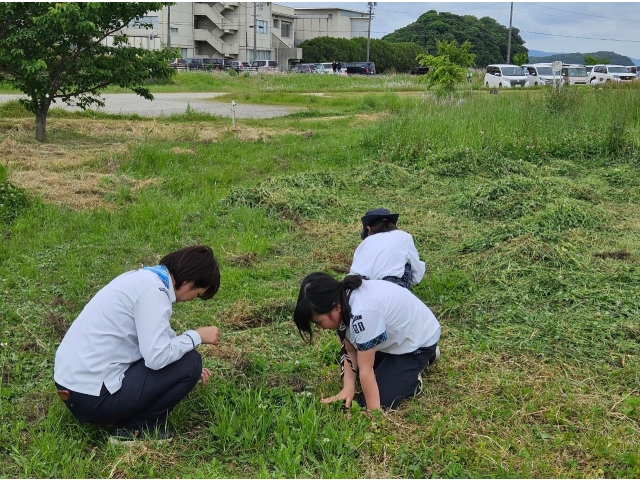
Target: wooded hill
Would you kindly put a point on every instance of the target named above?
(614, 58)
(488, 38)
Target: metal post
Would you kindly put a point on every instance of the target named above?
(233, 114)
(255, 31)
(509, 42)
(168, 26)
(369, 32)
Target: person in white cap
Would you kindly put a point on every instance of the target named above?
(386, 252)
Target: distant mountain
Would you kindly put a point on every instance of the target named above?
(613, 58)
(540, 53)
(636, 60)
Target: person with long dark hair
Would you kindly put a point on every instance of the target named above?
(120, 364)
(386, 253)
(389, 334)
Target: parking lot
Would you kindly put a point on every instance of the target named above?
(175, 103)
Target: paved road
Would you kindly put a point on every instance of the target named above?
(170, 103)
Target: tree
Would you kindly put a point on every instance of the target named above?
(399, 57)
(55, 51)
(488, 37)
(449, 66)
(520, 59)
(592, 60)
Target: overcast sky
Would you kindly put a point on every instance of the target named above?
(546, 26)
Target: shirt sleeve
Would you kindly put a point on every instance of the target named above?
(158, 343)
(417, 267)
(368, 329)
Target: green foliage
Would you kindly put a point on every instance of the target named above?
(520, 58)
(13, 201)
(561, 100)
(488, 37)
(593, 60)
(449, 67)
(69, 60)
(387, 56)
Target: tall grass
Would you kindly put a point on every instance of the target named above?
(524, 207)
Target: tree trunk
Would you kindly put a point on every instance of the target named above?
(41, 121)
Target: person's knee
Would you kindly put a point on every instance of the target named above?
(193, 364)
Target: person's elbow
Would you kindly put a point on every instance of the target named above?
(156, 360)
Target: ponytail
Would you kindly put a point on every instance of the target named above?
(319, 294)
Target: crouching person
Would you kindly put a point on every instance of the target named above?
(120, 364)
(389, 336)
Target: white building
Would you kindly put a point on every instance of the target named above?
(244, 31)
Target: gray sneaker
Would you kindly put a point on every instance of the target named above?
(129, 436)
(436, 359)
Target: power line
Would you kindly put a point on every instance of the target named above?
(583, 38)
(585, 14)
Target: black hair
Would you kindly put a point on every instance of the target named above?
(380, 226)
(194, 264)
(319, 294)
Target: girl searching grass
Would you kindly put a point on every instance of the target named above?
(390, 336)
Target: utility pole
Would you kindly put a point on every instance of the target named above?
(509, 42)
(371, 5)
(168, 26)
(255, 31)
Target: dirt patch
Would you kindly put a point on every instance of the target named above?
(619, 255)
(242, 315)
(244, 260)
(57, 323)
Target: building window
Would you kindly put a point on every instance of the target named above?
(174, 30)
(276, 23)
(261, 26)
(285, 30)
(147, 19)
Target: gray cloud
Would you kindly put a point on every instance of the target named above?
(547, 26)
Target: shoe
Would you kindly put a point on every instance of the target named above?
(419, 387)
(436, 359)
(129, 436)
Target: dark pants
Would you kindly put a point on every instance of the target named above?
(397, 375)
(145, 398)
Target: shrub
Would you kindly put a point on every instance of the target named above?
(13, 201)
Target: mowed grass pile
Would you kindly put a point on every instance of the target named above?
(524, 205)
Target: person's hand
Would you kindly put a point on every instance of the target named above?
(344, 395)
(204, 376)
(209, 335)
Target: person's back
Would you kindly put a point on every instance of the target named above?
(406, 322)
(386, 254)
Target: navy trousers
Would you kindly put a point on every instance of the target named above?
(145, 398)
(397, 375)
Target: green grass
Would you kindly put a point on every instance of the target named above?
(525, 207)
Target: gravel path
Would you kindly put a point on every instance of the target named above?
(170, 103)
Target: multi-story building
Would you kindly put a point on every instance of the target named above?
(244, 31)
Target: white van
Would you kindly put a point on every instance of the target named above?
(502, 75)
(541, 74)
(574, 74)
(610, 73)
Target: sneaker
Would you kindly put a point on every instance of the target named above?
(419, 387)
(129, 436)
(436, 359)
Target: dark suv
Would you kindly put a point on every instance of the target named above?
(360, 68)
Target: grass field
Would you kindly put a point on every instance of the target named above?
(524, 205)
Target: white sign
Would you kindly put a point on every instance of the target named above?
(556, 66)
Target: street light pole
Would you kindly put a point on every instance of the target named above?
(509, 42)
(255, 30)
(168, 26)
(371, 5)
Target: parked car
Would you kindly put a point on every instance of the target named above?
(179, 63)
(195, 63)
(502, 75)
(320, 68)
(610, 73)
(304, 68)
(360, 68)
(262, 65)
(574, 74)
(634, 69)
(541, 74)
(239, 66)
(420, 71)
